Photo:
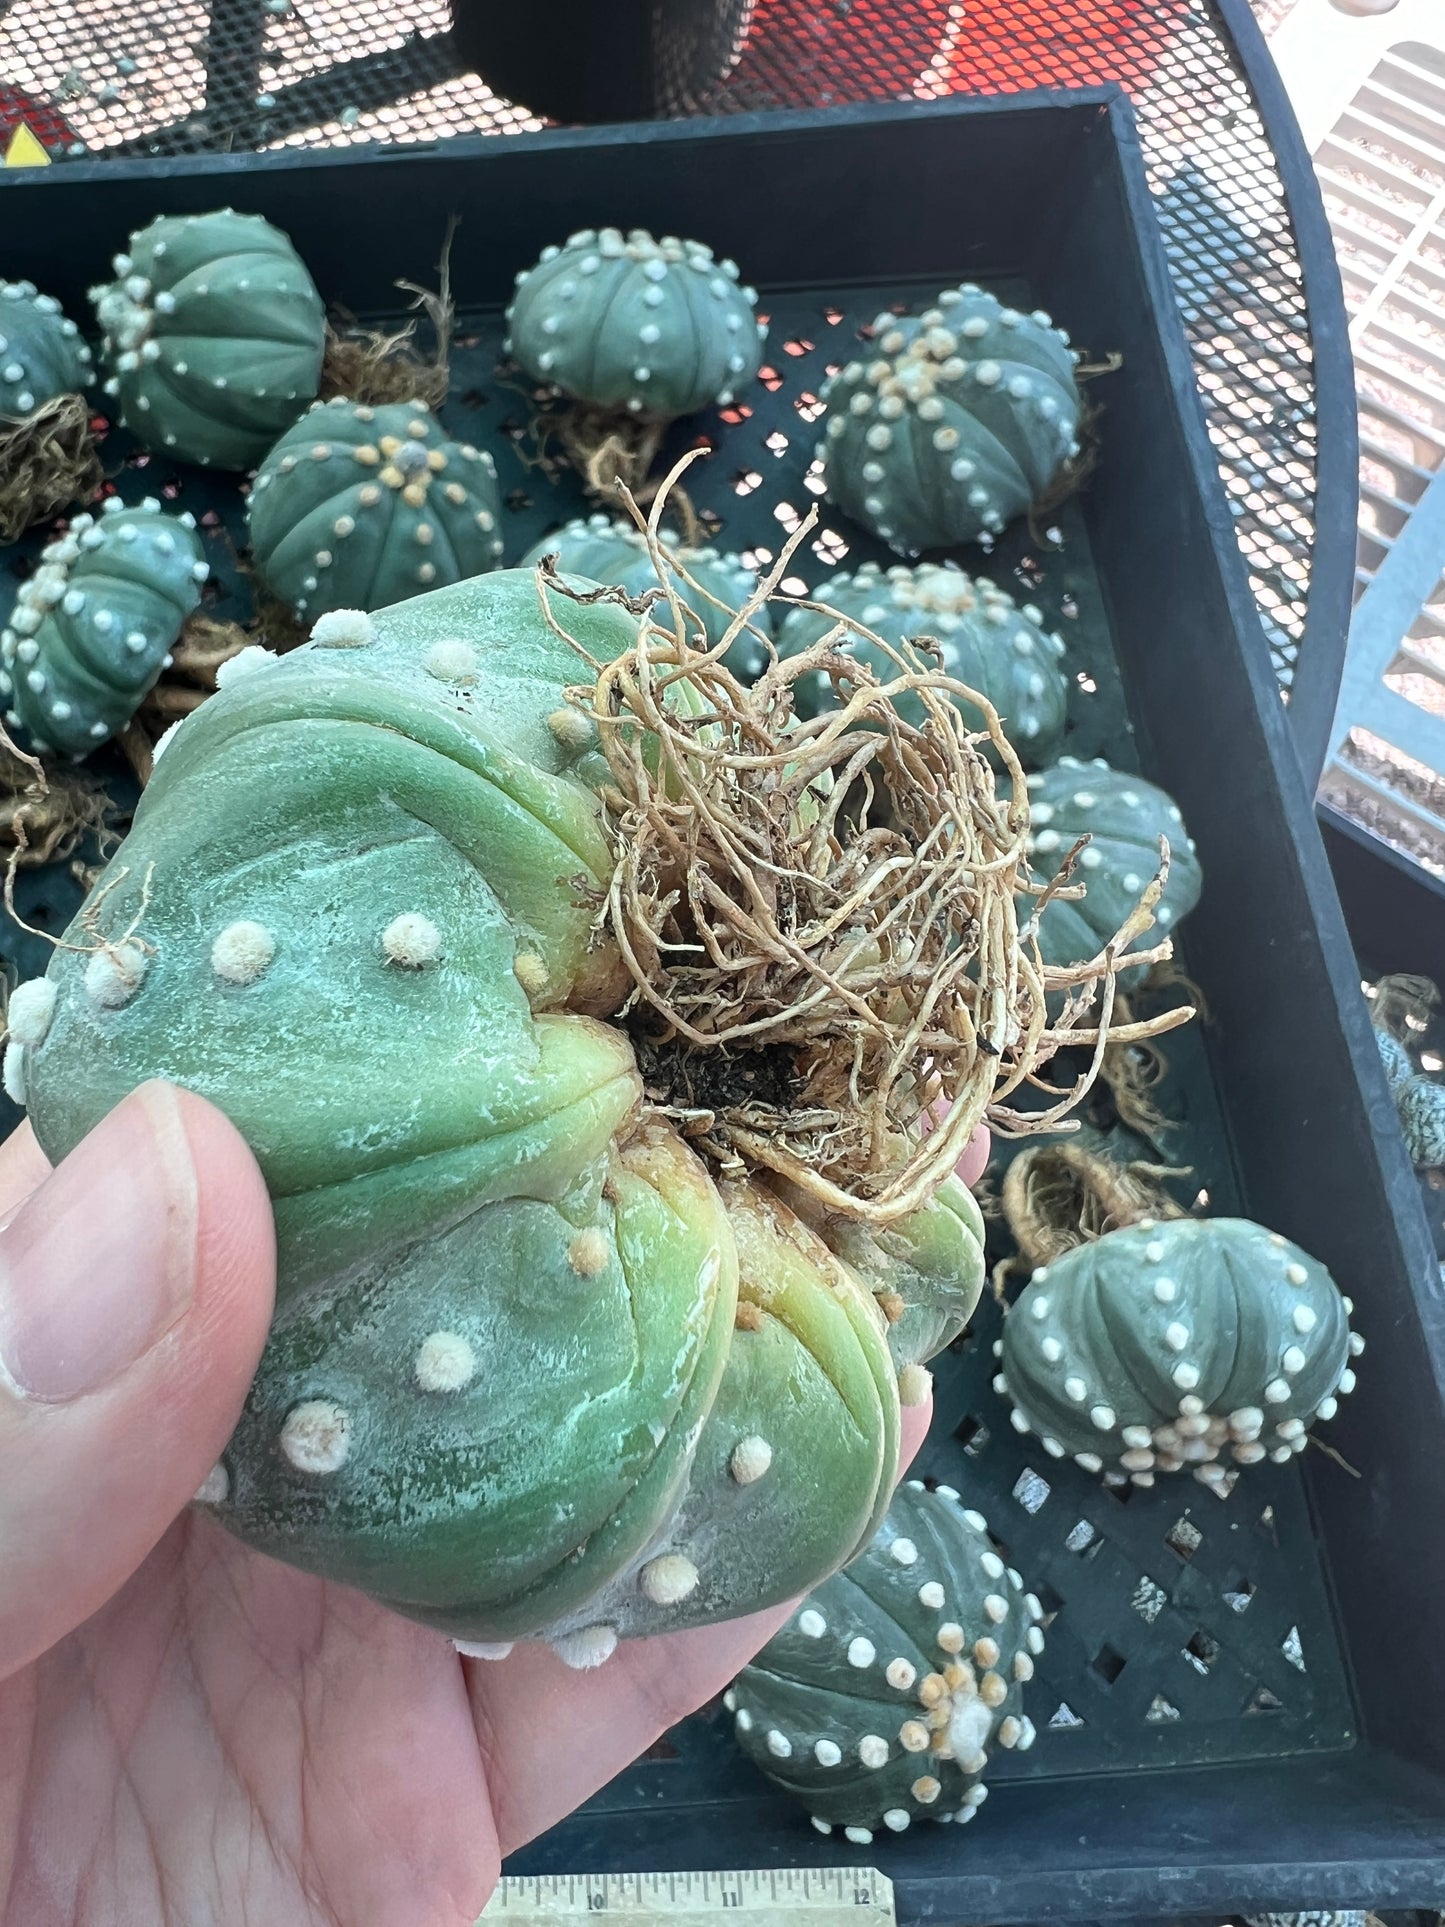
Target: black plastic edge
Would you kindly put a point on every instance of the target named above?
(1395, 909)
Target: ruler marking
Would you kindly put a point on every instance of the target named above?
(765, 1897)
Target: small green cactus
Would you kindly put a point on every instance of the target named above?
(1199, 1343)
(93, 627)
(658, 328)
(214, 335)
(984, 638)
(879, 1702)
(603, 550)
(956, 421)
(1124, 818)
(358, 508)
(41, 352)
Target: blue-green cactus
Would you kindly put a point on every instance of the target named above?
(41, 352)
(357, 508)
(1421, 1105)
(1396, 1059)
(533, 1371)
(984, 638)
(658, 328)
(1187, 1343)
(93, 627)
(214, 335)
(1124, 818)
(956, 421)
(881, 1700)
(603, 550)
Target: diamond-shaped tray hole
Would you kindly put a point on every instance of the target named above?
(1185, 1538)
(1161, 1711)
(972, 1434)
(809, 406)
(1261, 1700)
(790, 519)
(1293, 1648)
(1051, 1601)
(1065, 1720)
(735, 413)
(1201, 1651)
(1149, 1600)
(770, 378)
(756, 559)
(711, 521)
(777, 442)
(832, 316)
(1081, 1536)
(1238, 1592)
(1269, 1525)
(1031, 1489)
(798, 346)
(518, 500)
(1070, 608)
(745, 480)
(1108, 1664)
(1121, 1494)
(1086, 683)
(793, 585)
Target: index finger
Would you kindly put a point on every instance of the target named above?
(23, 1167)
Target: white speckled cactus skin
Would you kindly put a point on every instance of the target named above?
(214, 335)
(657, 327)
(1197, 1343)
(358, 508)
(879, 1702)
(985, 640)
(41, 352)
(607, 551)
(93, 627)
(954, 423)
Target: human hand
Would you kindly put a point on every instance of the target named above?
(188, 1730)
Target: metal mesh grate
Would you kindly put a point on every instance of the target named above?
(137, 77)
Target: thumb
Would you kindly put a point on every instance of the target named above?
(135, 1292)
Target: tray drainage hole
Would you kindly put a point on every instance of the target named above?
(1269, 1525)
(813, 481)
(832, 316)
(798, 346)
(757, 560)
(1108, 1664)
(1086, 683)
(1185, 1538)
(1051, 1602)
(1085, 1541)
(771, 379)
(518, 499)
(746, 480)
(830, 548)
(777, 442)
(972, 1435)
(735, 413)
(1065, 1719)
(788, 516)
(1238, 1592)
(1030, 1490)
(1161, 1711)
(1149, 1600)
(1261, 1700)
(809, 406)
(1292, 1649)
(1201, 1651)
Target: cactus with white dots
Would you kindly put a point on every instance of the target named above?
(1123, 817)
(533, 1371)
(626, 322)
(952, 423)
(93, 627)
(358, 507)
(42, 355)
(984, 639)
(213, 336)
(1192, 1344)
(886, 1694)
(609, 551)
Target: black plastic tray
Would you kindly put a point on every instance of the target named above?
(1336, 1793)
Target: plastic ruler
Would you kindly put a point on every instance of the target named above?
(782, 1897)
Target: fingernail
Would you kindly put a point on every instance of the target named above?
(99, 1263)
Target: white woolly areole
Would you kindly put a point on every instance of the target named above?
(114, 975)
(454, 662)
(316, 1436)
(969, 1725)
(445, 1363)
(750, 1459)
(245, 662)
(215, 1488)
(591, 1647)
(915, 1383)
(343, 629)
(411, 940)
(164, 740)
(242, 951)
(32, 1005)
(12, 1073)
(484, 1648)
(669, 1579)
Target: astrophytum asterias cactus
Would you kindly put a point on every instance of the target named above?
(214, 334)
(1124, 818)
(954, 422)
(41, 352)
(93, 627)
(623, 321)
(1189, 1343)
(357, 508)
(608, 551)
(880, 1701)
(984, 639)
(533, 1371)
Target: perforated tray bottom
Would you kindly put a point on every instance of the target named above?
(1184, 1629)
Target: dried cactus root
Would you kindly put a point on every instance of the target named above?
(44, 813)
(374, 367)
(1132, 1073)
(47, 461)
(1057, 1196)
(1077, 469)
(1404, 1004)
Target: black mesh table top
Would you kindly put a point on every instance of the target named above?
(1244, 232)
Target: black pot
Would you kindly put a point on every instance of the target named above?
(597, 60)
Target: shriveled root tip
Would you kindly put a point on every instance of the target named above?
(1058, 1196)
(48, 460)
(1132, 1072)
(609, 450)
(41, 825)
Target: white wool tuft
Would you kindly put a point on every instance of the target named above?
(343, 629)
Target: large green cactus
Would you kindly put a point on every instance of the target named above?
(214, 335)
(533, 1371)
(41, 352)
(1193, 1342)
(878, 1702)
(93, 627)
